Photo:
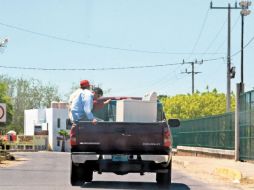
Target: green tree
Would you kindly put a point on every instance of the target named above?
(28, 94)
(64, 134)
(196, 105)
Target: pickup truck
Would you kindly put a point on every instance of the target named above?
(121, 147)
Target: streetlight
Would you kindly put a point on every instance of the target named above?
(4, 42)
(244, 12)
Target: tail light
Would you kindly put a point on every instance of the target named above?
(167, 138)
(73, 139)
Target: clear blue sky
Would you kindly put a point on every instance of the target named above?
(169, 31)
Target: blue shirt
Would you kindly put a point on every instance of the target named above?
(82, 105)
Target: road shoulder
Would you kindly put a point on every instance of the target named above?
(219, 170)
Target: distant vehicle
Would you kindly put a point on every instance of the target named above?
(122, 147)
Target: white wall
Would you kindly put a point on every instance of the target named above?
(52, 115)
(31, 118)
(47, 118)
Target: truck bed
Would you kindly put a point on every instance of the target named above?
(121, 138)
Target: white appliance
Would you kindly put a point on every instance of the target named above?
(136, 111)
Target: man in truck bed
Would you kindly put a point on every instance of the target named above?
(81, 102)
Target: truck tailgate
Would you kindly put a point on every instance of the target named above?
(121, 137)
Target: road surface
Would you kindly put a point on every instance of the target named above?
(50, 171)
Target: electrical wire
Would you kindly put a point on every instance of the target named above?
(249, 42)
(233, 27)
(98, 45)
(89, 69)
(163, 82)
(200, 33)
(100, 68)
(213, 59)
(216, 36)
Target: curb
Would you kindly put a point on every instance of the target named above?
(229, 173)
(204, 152)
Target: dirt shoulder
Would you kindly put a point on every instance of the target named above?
(217, 170)
(12, 163)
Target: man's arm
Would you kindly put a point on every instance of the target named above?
(99, 104)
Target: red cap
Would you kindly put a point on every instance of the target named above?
(84, 83)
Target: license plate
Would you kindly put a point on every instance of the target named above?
(119, 158)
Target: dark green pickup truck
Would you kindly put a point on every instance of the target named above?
(121, 147)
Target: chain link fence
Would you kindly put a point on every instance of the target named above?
(219, 131)
(211, 132)
(247, 126)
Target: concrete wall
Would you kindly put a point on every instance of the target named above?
(31, 118)
(52, 117)
(48, 119)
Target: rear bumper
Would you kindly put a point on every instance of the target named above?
(82, 157)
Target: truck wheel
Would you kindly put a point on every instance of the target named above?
(164, 179)
(77, 175)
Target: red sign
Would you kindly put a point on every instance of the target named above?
(2, 112)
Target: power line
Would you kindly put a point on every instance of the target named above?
(200, 33)
(216, 36)
(250, 41)
(223, 41)
(89, 69)
(239, 51)
(99, 45)
(100, 68)
(213, 59)
(163, 82)
(116, 68)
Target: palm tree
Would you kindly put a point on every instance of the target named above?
(64, 135)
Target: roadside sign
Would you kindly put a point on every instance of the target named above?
(2, 113)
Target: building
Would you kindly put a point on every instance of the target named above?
(48, 121)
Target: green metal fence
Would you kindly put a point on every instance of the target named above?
(247, 126)
(212, 132)
(218, 131)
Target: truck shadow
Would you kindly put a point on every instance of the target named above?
(132, 185)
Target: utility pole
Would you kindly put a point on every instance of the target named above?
(192, 72)
(237, 122)
(230, 70)
(228, 103)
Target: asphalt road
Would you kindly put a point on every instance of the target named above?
(50, 170)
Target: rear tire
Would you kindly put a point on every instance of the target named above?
(164, 179)
(77, 174)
